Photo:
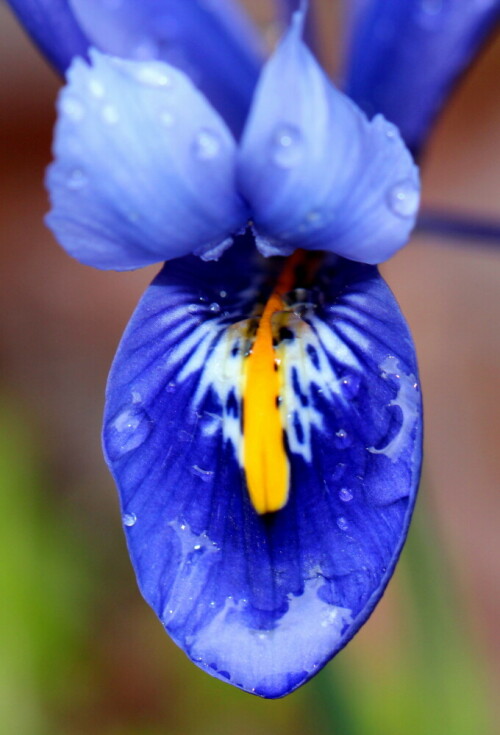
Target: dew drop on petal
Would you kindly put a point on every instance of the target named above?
(287, 146)
(206, 144)
(404, 199)
(76, 179)
(73, 108)
(171, 387)
(193, 308)
(214, 308)
(152, 75)
(129, 519)
(342, 523)
(205, 475)
(127, 431)
(345, 495)
(391, 131)
(167, 119)
(96, 88)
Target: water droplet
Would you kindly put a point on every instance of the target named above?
(167, 119)
(345, 495)
(110, 114)
(211, 604)
(136, 396)
(404, 199)
(391, 131)
(171, 387)
(350, 385)
(127, 431)
(96, 88)
(341, 433)
(287, 146)
(205, 475)
(206, 144)
(73, 108)
(215, 307)
(223, 294)
(193, 308)
(153, 75)
(129, 519)
(342, 523)
(197, 547)
(76, 179)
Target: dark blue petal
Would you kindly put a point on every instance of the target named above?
(315, 172)
(212, 42)
(53, 27)
(405, 56)
(144, 167)
(264, 601)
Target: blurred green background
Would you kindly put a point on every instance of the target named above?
(80, 652)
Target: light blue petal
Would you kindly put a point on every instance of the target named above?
(53, 27)
(406, 55)
(144, 167)
(214, 43)
(315, 172)
(264, 601)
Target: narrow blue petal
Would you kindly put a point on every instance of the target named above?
(144, 167)
(264, 601)
(214, 43)
(452, 225)
(405, 56)
(315, 172)
(53, 27)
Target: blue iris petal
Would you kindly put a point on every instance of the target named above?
(315, 172)
(405, 56)
(52, 25)
(264, 601)
(139, 152)
(214, 43)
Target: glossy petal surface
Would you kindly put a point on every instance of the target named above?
(315, 172)
(52, 25)
(405, 56)
(214, 43)
(264, 601)
(144, 167)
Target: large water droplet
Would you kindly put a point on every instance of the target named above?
(404, 199)
(214, 308)
(76, 179)
(73, 108)
(129, 519)
(287, 146)
(127, 431)
(206, 144)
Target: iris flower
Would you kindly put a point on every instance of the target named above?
(263, 414)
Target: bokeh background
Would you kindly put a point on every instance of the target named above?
(80, 652)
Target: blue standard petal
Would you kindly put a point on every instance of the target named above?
(316, 173)
(144, 167)
(214, 43)
(264, 601)
(405, 56)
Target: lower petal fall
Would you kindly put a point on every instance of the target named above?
(264, 600)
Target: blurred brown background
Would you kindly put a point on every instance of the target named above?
(60, 325)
